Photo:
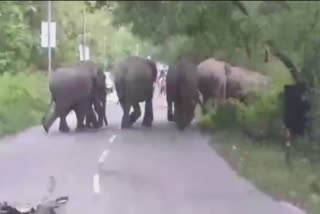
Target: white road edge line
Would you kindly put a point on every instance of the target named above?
(103, 156)
(112, 138)
(96, 183)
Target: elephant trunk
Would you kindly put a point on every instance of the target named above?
(51, 117)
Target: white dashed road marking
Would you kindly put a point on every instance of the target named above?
(103, 156)
(96, 178)
(96, 183)
(112, 138)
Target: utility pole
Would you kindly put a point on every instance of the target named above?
(49, 37)
(104, 52)
(83, 33)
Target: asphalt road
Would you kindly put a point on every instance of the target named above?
(138, 171)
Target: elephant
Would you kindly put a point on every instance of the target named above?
(134, 78)
(99, 104)
(72, 88)
(241, 82)
(182, 92)
(212, 80)
(219, 80)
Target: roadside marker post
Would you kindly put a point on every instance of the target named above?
(48, 35)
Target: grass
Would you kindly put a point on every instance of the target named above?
(262, 161)
(24, 99)
(265, 166)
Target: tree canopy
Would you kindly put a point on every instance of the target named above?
(228, 28)
(20, 43)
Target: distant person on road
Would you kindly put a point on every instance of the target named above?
(162, 81)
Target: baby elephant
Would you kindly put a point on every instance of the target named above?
(98, 106)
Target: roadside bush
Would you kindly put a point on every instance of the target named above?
(222, 116)
(261, 118)
(24, 99)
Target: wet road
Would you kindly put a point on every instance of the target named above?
(138, 171)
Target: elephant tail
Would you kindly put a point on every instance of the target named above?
(153, 70)
(120, 85)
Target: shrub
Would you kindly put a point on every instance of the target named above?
(222, 116)
(261, 118)
(24, 98)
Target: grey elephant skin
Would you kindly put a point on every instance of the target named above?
(241, 82)
(72, 88)
(182, 92)
(219, 80)
(134, 78)
(212, 80)
(98, 102)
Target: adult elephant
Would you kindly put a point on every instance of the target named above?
(182, 92)
(213, 79)
(73, 88)
(241, 82)
(134, 78)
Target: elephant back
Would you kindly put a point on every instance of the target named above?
(212, 76)
(68, 86)
(242, 81)
(74, 82)
(134, 77)
(187, 75)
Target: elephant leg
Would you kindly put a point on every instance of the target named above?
(135, 114)
(63, 126)
(125, 123)
(80, 118)
(99, 108)
(175, 111)
(81, 110)
(49, 120)
(90, 119)
(169, 111)
(105, 119)
(148, 114)
(103, 111)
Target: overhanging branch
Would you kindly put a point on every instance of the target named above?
(241, 7)
(285, 60)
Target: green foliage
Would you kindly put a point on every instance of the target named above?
(262, 164)
(24, 99)
(260, 119)
(231, 28)
(107, 43)
(16, 41)
(24, 94)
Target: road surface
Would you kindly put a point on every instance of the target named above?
(137, 171)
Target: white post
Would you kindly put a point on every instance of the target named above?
(83, 34)
(104, 52)
(49, 39)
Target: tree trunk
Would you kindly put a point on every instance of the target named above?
(248, 51)
(266, 55)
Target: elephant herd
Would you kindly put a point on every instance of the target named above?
(81, 87)
(214, 79)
